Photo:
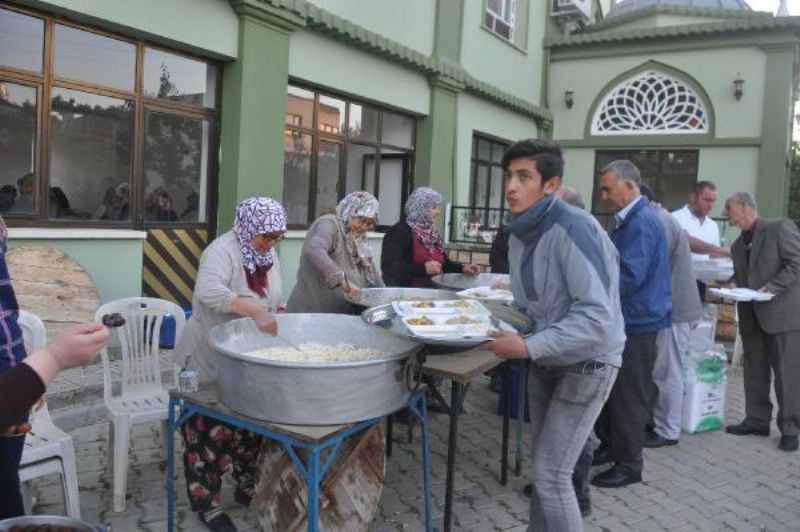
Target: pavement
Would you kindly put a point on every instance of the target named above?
(711, 481)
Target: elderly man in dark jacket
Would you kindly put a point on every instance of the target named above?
(766, 257)
(645, 294)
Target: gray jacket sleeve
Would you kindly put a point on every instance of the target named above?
(789, 251)
(317, 248)
(589, 316)
(214, 279)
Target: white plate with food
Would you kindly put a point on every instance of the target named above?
(463, 331)
(487, 293)
(741, 294)
(458, 328)
(447, 308)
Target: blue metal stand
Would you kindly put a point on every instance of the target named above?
(313, 472)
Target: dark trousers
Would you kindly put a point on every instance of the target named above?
(10, 495)
(621, 424)
(765, 354)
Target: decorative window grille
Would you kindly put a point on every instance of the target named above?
(651, 103)
(500, 17)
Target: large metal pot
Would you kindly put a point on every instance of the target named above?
(311, 394)
(67, 523)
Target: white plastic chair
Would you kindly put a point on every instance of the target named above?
(48, 449)
(142, 397)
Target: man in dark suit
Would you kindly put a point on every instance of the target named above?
(766, 257)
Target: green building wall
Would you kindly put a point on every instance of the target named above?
(478, 116)
(516, 68)
(204, 26)
(714, 70)
(410, 22)
(328, 62)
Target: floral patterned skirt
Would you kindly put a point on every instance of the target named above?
(213, 448)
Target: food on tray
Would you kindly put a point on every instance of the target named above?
(422, 320)
(461, 320)
(458, 304)
(313, 352)
(424, 304)
(113, 320)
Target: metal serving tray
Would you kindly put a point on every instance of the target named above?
(385, 317)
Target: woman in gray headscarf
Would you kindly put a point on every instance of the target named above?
(413, 250)
(336, 260)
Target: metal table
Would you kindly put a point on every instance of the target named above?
(460, 369)
(315, 439)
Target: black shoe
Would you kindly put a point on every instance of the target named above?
(601, 456)
(744, 429)
(654, 441)
(217, 521)
(788, 443)
(242, 497)
(616, 477)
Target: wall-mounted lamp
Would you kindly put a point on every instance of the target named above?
(738, 87)
(569, 98)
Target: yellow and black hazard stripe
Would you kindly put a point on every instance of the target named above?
(171, 259)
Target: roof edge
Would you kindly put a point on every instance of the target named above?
(691, 30)
(612, 20)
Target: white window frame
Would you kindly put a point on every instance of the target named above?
(508, 17)
(669, 123)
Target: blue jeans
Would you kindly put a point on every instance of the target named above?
(564, 402)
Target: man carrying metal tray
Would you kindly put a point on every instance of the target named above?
(565, 275)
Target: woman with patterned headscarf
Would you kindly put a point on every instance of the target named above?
(336, 260)
(413, 251)
(239, 276)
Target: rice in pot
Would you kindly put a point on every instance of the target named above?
(312, 352)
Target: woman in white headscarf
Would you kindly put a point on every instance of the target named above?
(413, 250)
(239, 276)
(336, 260)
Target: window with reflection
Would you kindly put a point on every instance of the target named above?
(92, 58)
(488, 197)
(180, 79)
(91, 142)
(18, 111)
(21, 41)
(99, 122)
(175, 168)
(334, 146)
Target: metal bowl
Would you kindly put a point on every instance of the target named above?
(460, 281)
(311, 394)
(49, 520)
(373, 297)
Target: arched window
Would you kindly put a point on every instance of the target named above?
(651, 102)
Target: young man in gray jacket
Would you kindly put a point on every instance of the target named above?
(565, 276)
